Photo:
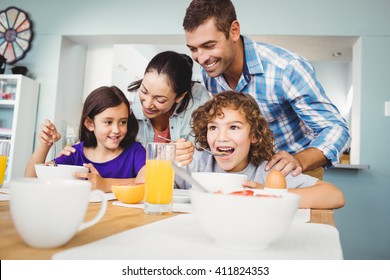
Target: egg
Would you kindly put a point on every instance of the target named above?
(275, 180)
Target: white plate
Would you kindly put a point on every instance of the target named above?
(109, 196)
(181, 196)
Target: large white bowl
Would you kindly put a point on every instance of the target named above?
(247, 223)
(62, 171)
(214, 181)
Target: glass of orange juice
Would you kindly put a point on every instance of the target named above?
(4, 150)
(159, 178)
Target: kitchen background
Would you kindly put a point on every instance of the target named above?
(79, 45)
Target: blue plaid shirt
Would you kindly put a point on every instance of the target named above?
(290, 98)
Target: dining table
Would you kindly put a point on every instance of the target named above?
(116, 220)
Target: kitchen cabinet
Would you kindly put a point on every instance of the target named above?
(18, 110)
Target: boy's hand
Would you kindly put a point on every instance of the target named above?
(252, 184)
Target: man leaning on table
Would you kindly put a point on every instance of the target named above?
(309, 131)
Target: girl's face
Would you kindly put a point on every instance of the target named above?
(156, 95)
(109, 126)
(230, 134)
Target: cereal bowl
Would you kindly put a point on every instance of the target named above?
(214, 181)
(62, 171)
(240, 222)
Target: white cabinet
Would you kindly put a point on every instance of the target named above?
(18, 110)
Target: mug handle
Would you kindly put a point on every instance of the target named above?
(101, 212)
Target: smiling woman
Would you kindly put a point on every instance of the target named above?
(164, 100)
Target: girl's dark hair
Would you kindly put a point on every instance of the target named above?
(99, 100)
(178, 69)
(199, 11)
(260, 151)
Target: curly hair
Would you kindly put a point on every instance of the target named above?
(260, 151)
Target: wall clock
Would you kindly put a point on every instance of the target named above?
(15, 34)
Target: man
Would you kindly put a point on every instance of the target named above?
(308, 129)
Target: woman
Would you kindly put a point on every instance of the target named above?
(164, 100)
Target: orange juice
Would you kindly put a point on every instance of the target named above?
(159, 182)
(3, 165)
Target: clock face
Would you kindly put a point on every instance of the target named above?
(15, 34)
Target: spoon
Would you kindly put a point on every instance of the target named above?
(187, 177)
(217, 154)
(55, 152)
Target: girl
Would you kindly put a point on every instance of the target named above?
(164, 100)
(108, 147)
(231, 122)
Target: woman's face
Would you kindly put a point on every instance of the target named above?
(156, 95)
(230, 134)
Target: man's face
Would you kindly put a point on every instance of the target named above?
(210, 48)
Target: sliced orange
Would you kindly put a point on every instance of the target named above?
(129, 193)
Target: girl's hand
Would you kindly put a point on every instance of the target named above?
(184, 151)
(94, 177)
(48, 133)
(252, 184)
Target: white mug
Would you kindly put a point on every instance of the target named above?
(48, 213)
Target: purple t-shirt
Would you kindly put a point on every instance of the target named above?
(126, 165)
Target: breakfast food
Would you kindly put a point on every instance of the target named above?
(247, 192)
(133, 193)
(275, 180)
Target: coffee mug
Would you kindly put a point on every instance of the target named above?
(48, 213)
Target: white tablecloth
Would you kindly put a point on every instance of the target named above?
(180, 237)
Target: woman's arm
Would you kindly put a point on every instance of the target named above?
(184, 151)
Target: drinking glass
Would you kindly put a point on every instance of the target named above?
(159, 178)
(4, 152)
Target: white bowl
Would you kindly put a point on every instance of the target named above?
(62, 171)
(181, 196)
(248, 223)
(214, 181)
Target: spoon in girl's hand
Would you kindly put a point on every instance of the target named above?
(55, 152)
(216, 154)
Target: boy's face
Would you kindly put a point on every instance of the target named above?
(230, 134)
(210, 48)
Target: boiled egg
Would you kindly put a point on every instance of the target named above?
(275, 180)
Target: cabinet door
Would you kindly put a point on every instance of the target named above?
(18, 109)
